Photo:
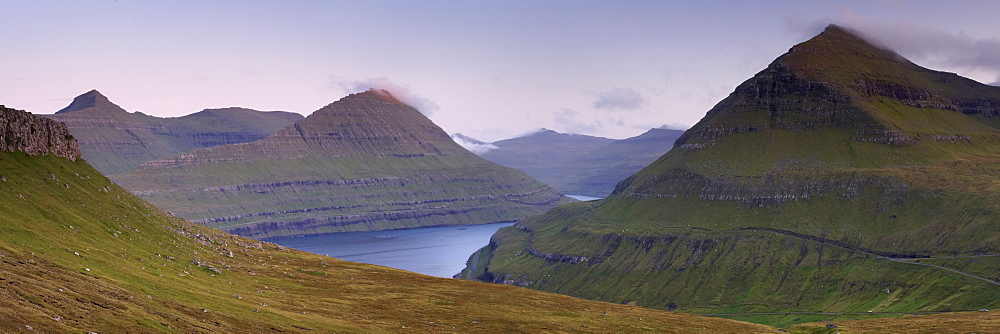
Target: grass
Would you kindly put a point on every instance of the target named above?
(957, 322)
(80, 254)
(358, 194)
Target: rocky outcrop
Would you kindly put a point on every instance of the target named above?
(22, 131)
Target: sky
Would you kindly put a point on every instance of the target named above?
(488, 69)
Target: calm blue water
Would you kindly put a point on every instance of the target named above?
(435, 251)
(583, 198)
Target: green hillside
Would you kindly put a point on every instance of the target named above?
(79, 254)
(115, 141)
(366, 162)
(788, 196)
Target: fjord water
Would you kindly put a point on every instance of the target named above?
(584, 198)
(435, 251)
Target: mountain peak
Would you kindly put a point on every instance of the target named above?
(545, 132)
(91, 100)
(840, 82)
(838, 49)
(370, 121)
(384, 95)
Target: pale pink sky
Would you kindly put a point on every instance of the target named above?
(491, 70)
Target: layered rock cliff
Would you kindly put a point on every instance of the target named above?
(115, 141)
(22, 131)
(365, 162)
(789, 195)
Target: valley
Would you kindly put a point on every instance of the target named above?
(80, 254)
(577, 164)
(832, 178)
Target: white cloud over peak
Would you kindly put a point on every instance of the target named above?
(399, 91)
(619, 99)
(926, 45)
(474, 146)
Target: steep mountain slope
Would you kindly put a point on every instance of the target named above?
(79, 254)
(789, 195)
(115, 141)
(580, 164)
(365, 162)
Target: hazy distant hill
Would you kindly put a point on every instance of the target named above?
(473, 145)
(789, 195)
(79, 254)
(365, 162)
(115, 141)
(580, 164)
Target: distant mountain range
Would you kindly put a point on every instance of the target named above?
(115, 141)
(365, 162)
(841, 178)
(576, 164)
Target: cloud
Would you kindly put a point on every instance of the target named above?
(919, 42)
(529, 132)
(619, 99)
(474, 146)
(675, 126)
(571, 121)
(399, 91)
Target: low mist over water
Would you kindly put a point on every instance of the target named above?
(435, 251)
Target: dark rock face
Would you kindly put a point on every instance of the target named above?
(22, 131)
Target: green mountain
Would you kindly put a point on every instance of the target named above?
(580, 164)
(115, 141)
(79, 254)
(365, 162)
(789, 195)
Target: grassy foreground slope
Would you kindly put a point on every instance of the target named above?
(957, 322)
(80, 254)
(789, 195)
